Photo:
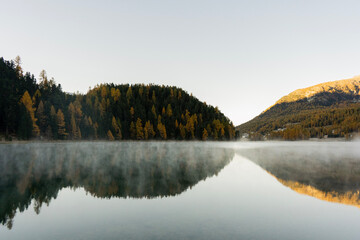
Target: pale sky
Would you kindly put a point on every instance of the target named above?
(238, 55)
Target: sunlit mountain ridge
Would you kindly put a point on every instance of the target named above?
(347, 86)
(330, 109)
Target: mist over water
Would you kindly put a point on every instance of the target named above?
(38, 171)
(179, 190)
(331, 166)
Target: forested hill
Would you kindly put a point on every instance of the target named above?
(329, 109)
(41, 110)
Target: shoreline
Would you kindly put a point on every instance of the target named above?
(179, 141)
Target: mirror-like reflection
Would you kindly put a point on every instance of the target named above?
(38, 171)
(329, 172)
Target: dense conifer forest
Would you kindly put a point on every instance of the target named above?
(31, 109)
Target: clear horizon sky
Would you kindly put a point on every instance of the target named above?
(241, 56)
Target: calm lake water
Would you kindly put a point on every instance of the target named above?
(178, 190)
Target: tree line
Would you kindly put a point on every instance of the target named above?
(32, 109)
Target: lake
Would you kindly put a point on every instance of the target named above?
(180, 190)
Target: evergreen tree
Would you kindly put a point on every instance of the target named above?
(117, 128)
(18, 69)
(25, 124)
(129, 94)
(132, 130)
(149, 132)
(41, 116)
(169, 110)
(61, 125)
(53, 125)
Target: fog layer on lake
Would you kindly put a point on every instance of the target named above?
(180, 190)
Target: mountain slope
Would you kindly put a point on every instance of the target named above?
(344, 87)
(328, 109)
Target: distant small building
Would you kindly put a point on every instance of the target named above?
(280, 130)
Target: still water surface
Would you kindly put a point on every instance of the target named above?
(178, 190)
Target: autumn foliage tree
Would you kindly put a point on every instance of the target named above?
(139, 130)
(61, 125)
(28, 104)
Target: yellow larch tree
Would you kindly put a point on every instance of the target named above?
(110, 136)
(139, 130)
(60, 121)
(28, 103)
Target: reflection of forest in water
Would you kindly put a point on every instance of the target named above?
(326, 171)
(38, 171)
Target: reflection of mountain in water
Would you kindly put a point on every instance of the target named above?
(139, 170)
(349, 197)
(330, 173)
